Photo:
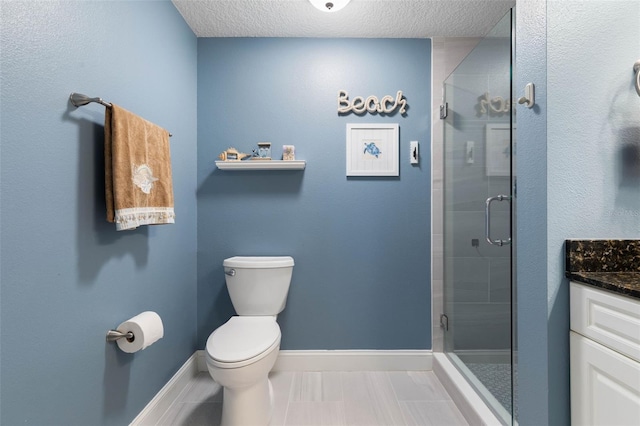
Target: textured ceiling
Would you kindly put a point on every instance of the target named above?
(361, 18)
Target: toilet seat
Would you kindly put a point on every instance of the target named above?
(243, 340)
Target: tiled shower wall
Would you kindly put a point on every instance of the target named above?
(448, 52)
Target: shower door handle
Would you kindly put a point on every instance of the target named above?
(487, 220)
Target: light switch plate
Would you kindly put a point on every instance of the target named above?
(470, 154)
(414, 152)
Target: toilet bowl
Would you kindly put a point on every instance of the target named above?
(239, 356)
(241, 352)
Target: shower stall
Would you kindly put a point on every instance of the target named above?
(479, 204)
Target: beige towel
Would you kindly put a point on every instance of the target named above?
(138, 185)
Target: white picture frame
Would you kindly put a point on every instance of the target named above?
(498, 149)
(373, 149)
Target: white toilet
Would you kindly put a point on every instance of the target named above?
(241, 352)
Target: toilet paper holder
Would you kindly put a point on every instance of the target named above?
(114, 335)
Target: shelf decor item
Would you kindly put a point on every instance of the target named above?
(288, 152)
(263, 152)
(232, 154)
(372, 150)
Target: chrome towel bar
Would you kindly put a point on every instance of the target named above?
(78, 99)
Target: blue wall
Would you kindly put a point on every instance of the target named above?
(67, 275)
(578, 180)
(531, 245)
(361, 245)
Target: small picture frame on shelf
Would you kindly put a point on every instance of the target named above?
(288, 152)
(264, 151)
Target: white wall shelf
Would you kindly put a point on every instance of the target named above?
(262, 165)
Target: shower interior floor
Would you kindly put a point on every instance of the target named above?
(497, 379)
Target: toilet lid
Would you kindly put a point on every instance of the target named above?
(242, 338)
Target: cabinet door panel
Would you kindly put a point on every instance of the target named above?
(610, 319)
(605, 385)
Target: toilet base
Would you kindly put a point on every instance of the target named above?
(248, 406)
(247, 397)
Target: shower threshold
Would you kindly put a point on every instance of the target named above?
(481, 405)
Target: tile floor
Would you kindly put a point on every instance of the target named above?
(367, 398)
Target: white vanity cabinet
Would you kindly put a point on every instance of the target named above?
(605, 357)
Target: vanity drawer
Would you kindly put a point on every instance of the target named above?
(607, 318)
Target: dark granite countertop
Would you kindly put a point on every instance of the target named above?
(612, 265)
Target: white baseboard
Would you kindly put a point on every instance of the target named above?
(154, 410)
(354, 360)
(346, 360)
(202, 362)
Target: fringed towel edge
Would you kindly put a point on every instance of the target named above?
(133, 217)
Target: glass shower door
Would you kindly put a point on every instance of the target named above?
(479, 204)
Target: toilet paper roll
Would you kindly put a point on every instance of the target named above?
(146, 328)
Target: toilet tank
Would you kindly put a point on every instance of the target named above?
(258, 285)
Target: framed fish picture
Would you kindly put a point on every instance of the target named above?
(372, 149)
(498, 149)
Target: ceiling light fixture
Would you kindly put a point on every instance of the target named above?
(329, 5)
